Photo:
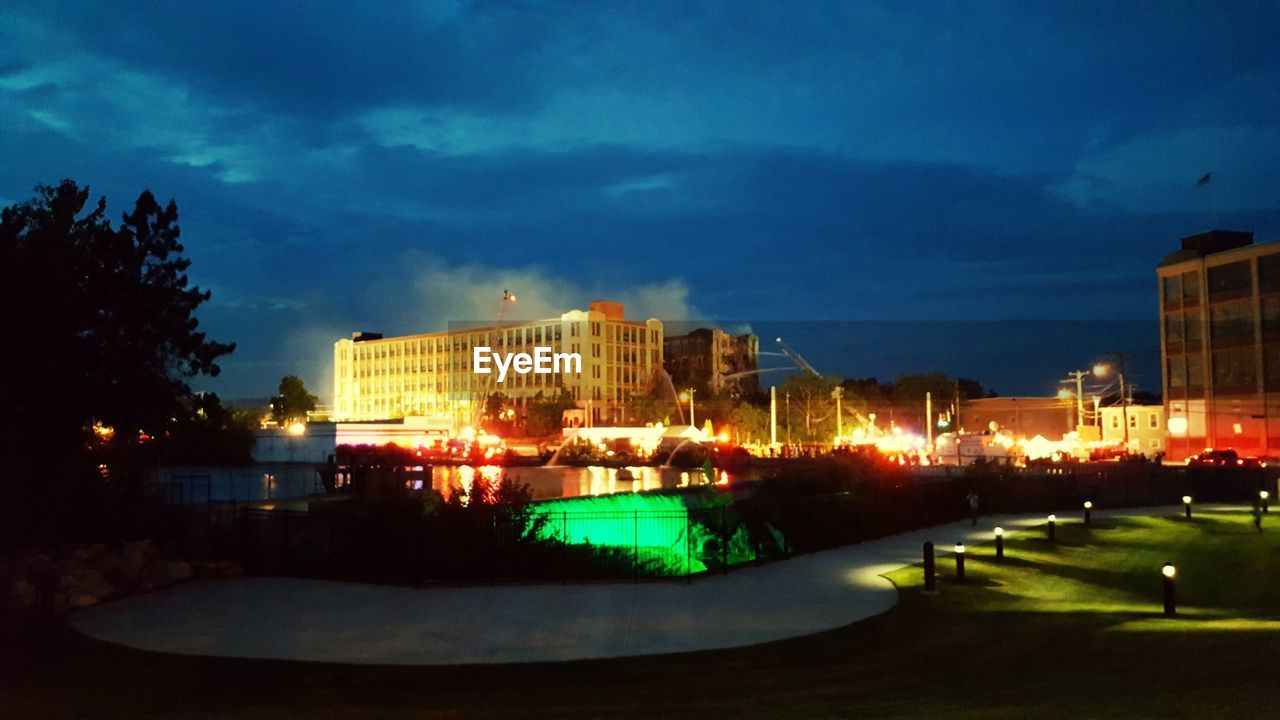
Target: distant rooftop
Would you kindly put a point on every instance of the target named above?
(1208, 243)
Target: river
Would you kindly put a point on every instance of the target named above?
(279, 481)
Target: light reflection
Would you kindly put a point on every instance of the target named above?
(553, 482)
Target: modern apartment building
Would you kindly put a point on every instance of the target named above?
(1220, 344)
(380, 378)
(714, 358)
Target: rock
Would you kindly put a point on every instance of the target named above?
(108, 561)
(70, 566)
(220, 570)
(95, 584)
(23, 594)
(180, 570)
(132, 563)
(146, 548)
(155, 574)
(86, 553)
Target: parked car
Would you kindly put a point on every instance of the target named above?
(1223, 458)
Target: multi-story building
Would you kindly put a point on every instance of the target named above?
(1146, 432)
(714, 358)
(1022, 417)
(1220, 344)
(379, 378)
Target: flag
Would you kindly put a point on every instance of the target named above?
(1204, 180)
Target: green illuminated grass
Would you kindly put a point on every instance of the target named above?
(1071, 630)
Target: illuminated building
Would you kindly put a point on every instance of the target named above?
(380, 378)
(715, 359)
(1220, 344)
(1049, 417)
(1146, 427)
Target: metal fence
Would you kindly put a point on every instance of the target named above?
(237, 486)
(532, 545)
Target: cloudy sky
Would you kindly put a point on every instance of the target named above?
(394, 167)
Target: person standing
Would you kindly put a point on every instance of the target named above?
(972, 497)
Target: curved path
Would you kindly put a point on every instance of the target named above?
(316, 620)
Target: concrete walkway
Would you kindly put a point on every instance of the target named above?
(316, 620)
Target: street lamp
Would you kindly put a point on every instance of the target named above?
(999, 543)
(687, 396)
(1088, 511)
(507, 297)
(1264, 497)
(959, 562)
(1186, 504)
(1052, 528)
(1169, 574)
(930, 578)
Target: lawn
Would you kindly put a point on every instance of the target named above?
(1069, 630)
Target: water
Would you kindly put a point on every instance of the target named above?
(248, 483)
(554, 482)
(281, 481)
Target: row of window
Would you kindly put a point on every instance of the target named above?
(1153, 419)
(1227, 280)
(366, 368)
(1233, 369)
(1230, 321)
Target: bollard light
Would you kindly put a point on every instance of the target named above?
(1265, 497)
(1186, 505)
(999, 543)
(930, 581)
(1051, 528)
(1169, 573)
(959, 562)
(1088, 511)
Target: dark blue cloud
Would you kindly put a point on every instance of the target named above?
(336, 165)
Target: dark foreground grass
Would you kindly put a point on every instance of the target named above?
(1070, 630)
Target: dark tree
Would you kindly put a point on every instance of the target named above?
(208, 433)
(545, 413)
(101, 331)
(292, 402)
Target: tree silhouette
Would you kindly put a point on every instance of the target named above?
(102, 333)
(292, 402)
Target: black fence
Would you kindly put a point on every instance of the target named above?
(248, 486)
(518, 545)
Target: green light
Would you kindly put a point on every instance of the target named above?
(656, 531)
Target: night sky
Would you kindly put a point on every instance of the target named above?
(394, 168)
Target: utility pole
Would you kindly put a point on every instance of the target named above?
(1124, 409)
(1078, 376)
(838, 392)
(955, 426)
(788, 418)
(928, 415)
(773, 415)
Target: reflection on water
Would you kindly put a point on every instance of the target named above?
(282, 481)
(554, 482)
(190, 484)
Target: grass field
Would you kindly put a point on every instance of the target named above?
(1070, 630)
